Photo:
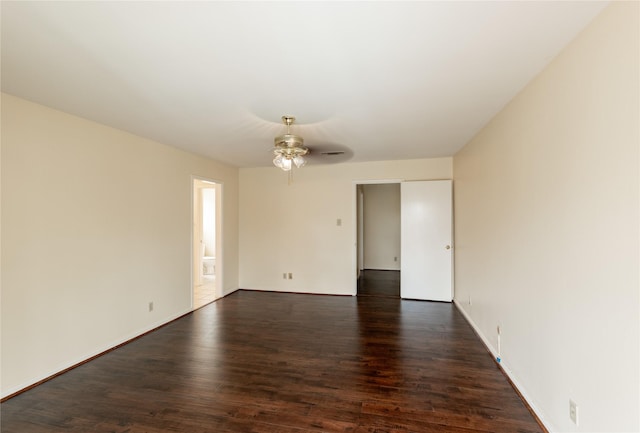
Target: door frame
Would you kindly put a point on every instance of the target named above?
(219, 274)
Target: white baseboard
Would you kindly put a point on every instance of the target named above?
(83, 358)
(228, 292)
(505, 367)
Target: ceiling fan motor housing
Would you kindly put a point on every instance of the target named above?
(290, 144)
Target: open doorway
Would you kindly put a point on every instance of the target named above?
(206, 254)
(378, 245)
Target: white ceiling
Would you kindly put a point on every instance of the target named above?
(381, 80)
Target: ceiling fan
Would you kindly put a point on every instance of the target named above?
(289, 148)
(290, 151)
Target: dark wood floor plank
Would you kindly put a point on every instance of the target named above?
(272, 362)
(384, 283)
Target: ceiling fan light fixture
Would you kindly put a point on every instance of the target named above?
(289, 148)
(299, 161)
(277, 161)
(286, 164)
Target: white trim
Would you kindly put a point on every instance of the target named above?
(505, 367)
(229, 292)
(377, 181)
(82, 359)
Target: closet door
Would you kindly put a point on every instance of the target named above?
(426, 240)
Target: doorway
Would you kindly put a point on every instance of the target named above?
(206, 253)
(423, 240)
(378, 245)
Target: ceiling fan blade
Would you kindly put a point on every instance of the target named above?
(328, 153)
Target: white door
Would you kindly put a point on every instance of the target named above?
(426, 234)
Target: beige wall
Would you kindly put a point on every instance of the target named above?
(547, 240)
(292, 228)
(95, 225)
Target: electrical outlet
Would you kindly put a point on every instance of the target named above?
(150, 307)
(573, 411)
(284, 275)
(339, 222)
(290, 276)
(395, 259)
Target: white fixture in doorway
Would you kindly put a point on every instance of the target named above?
(208, 261)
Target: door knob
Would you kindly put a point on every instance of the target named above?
(448, 247)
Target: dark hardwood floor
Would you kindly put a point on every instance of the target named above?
(287, 363)
(379, 283)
